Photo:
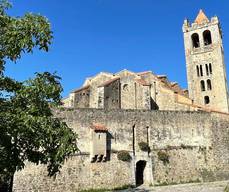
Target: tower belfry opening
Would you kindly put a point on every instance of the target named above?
(205, 34)
(207, 37)
(195, 40)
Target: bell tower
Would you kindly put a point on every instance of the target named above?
(206, 72)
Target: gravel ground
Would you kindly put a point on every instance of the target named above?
(198, 187)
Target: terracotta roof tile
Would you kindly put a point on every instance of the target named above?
(201, 17)
(173, 84)
(81, 89)
(144, 73)
(98, 127)
(109, 81)
(142, 82)
(161, 76)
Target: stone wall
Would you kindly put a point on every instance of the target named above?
(77, 173)
(112, 95)
(195, 144)
(82, 98)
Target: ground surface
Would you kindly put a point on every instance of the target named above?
(198, 187)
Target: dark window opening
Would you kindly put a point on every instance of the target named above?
(201, 71)
(210, 68)
(133, 139)
(198, 71)
(125, 87)
(206, 100)
(202, 85)
(207, 37)
(209, 85)
(195, 40)
(207, 71)
(139, 174)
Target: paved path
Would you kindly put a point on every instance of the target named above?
(197, 187)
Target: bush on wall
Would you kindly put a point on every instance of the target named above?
(163, 156)
(124, 156)
(144, 146)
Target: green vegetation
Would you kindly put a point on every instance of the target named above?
(226, 188)
(163, 156)
(124, 156)
(144, 146)
(104, 190)
(29, 131)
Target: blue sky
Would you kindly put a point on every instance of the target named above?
(110, 35)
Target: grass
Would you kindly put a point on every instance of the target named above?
(104, 190)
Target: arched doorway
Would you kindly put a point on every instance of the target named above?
(139, 174)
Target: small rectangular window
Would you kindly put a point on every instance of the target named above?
(210, 68)
(201, 71)
(207, 71)
(198, 71)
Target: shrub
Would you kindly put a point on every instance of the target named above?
(124, 156)
(163, 156)
(227, 188)
(144, 146)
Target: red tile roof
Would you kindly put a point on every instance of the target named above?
(201, 17)
(161, 76)
(98, 127)
(142, 82)
(144, 73)
(173, 84)
(109, 82)
(81, 89)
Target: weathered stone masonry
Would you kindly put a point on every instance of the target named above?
(197, 144)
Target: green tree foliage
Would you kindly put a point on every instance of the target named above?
(144, 146)
(28, 129)
(124, 156)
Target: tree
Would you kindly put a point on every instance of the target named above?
(28, 129)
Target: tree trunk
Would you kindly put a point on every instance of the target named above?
(11, 183)
(6, 184)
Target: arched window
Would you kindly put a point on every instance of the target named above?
(202, 85)
(125, 87)
(209, 85)
(206, 100)
(207, 71)
(210, 68)
(207, 37)
(198, 71)
(195, 40)
(201, 71)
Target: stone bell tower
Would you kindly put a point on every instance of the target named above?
(206, 72)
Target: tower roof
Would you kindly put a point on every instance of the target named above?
(201, 17)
